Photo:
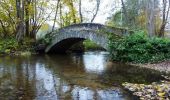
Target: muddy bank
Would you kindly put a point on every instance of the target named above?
(160, 66)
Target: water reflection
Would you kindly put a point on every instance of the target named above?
(94, 63)
(80, 93)
(44, 83)
(67, 77)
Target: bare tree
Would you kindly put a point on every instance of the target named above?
(38, 18)
(97, 9)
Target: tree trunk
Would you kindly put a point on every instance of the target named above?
(165, 15)
(61, 23)
(20, 14)
(34, 20)
(125, 12)
(56, 14)
(18, 4)
(81, 16)
(151, 17)
(27, 22)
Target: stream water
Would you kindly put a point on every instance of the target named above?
(88, 76)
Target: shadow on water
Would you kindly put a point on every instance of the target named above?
(120, 73)
(87, 76)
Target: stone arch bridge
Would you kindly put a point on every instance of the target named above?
(64, 38)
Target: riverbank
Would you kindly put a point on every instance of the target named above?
(163, 66)
(10, 46)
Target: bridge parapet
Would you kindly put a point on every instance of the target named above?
(93, 27)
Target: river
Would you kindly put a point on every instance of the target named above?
(88, 76)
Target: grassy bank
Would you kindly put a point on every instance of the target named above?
(139, 48)
(10, 46)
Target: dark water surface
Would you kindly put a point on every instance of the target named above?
(88, 76)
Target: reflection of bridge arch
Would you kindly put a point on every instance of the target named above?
(65, 37)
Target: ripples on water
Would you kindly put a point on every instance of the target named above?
(88, 76)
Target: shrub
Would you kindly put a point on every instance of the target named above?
(139, 48)
(46, 40)
(90, 45)
(8, 45)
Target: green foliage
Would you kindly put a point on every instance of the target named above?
(8, 45)
(89, 45)
(46, 39)
(27, 45)
(11, 45)
(139, 48)
(7, 17)
(116, 19)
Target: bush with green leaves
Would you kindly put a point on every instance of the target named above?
(139, 48)
(8, 45)
(90, 45)
(46, 40)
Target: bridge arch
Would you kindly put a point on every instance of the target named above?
(64, 38)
